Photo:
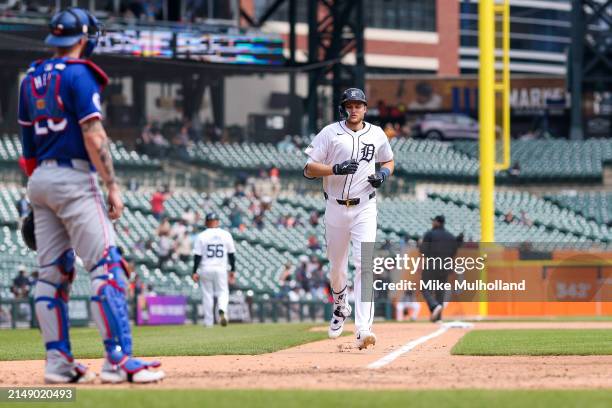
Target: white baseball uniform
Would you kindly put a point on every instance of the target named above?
(344, 224)
(213, 245)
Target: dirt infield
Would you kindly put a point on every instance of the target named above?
(333, 364)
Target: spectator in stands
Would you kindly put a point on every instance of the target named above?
(136, 286)
(239, 190)
(144, 142)
(509, 217)
(525, 220)
(235, 217)
(189, 217)
(159, 144)
(314, 218)
(164, 249)
(178, 229)
(313, 243)
(182, 242)
(157, 202)
(266, 203)
(275, 180)
(298, 221)
(33, 278)
(23, 208)
(316, 273)
(286, 279)
(180, 143)
(164, 227)
(258, 221)
(282, 221)
(21, 284)
(301, 275)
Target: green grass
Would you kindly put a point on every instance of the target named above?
(545, 319)
(171, 340)
(535, 342)
(346, 398)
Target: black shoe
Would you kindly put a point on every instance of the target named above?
(436, 313)
(222, 319)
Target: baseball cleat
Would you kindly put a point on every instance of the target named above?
(365, 338)
(137, 372)
(78, 375)
(222, 318)
(336, 324)
(435, 313)
(140, 377)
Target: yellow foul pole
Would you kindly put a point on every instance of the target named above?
(486, 118)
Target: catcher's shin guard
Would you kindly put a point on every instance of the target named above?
(110, 312)
(51, 304)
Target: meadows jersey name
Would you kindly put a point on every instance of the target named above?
(213, 245)
(336, 143)
(56, 96)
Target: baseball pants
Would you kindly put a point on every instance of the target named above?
(69, 212)
(348, 227)
(214, 284)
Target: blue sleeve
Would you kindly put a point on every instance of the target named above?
(27, 142)
(23, 114)
(86, 94)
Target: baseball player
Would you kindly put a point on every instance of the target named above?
(212, 250)
(64, 146)
(344, 154)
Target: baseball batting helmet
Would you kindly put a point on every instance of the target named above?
(27, 231)
(351, 94)
(70, 25)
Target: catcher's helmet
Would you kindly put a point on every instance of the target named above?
(351, 94)
(27, 231)
(211, 217)
(70, 25)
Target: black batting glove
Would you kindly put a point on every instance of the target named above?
(346, 167)
(377, 179)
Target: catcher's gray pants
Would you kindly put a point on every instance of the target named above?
(69, 212)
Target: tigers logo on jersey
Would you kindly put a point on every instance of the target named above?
(40, 104)
(367, 152)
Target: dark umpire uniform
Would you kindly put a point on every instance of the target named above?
(437, 243)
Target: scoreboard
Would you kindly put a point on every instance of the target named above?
(204, 47)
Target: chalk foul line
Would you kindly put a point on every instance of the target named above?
(412, 344)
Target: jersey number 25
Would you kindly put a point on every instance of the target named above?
(42, 130)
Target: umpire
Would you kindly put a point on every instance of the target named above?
(438, 244)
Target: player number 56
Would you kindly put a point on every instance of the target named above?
(214, 251)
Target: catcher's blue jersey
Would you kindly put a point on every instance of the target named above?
(56, 96)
